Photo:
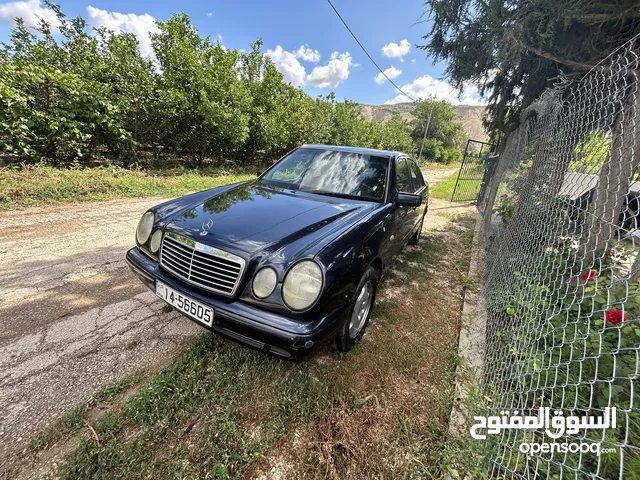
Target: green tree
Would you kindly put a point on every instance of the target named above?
(444, 136)
(51, 114)
(202, 106)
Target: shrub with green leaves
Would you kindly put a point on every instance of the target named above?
(574, 338)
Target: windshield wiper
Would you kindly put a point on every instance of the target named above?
(341, 195)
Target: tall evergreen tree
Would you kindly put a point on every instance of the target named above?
(515, 49)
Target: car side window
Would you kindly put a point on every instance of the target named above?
(404, 182)
(416, 176)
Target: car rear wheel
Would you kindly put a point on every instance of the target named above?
(357, 320)
(415, 238)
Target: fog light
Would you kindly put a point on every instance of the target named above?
(154, 245)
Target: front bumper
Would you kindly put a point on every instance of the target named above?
(244, 323)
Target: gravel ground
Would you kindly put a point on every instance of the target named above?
(73, 316)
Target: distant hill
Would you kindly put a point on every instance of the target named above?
(469, 116)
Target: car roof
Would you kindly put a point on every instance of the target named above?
(365, 151)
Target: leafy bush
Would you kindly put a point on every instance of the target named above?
(575, 338)
(590, 153)
(54, 114)
(505, 208)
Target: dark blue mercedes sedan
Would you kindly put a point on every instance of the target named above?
(292, 258)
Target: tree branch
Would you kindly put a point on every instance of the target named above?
(595, 18)
(579, 66)
(584, 67)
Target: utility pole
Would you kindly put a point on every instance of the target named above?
(426, 129)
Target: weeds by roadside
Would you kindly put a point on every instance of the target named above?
(68, 424)
(41, 185)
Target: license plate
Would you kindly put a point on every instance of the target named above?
(184, 304)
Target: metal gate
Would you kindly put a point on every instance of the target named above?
(478, 165)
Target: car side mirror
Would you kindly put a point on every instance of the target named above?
(260, 172)
(408, 200)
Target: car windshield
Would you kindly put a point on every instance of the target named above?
(332, 172)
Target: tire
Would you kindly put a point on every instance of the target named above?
(356, 323)
(415, 238)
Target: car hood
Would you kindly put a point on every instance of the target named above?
(256, 217)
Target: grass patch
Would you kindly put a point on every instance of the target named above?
(74, 420)
(439, 166)
(225, 411)
(69, 423)
(112, 390)
(41, 185)
(444, 188)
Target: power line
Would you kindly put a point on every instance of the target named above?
(431, 99)
(367, 53)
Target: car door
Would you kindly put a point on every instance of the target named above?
(404, 215)
(420, 188)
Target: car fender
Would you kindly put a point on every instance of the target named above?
(348, 256)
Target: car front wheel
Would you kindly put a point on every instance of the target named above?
(357, 320)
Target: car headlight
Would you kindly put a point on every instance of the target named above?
(154, 244)
(302, 285)
(264, 283)
(144, 228)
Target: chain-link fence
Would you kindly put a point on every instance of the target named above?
(562, 286)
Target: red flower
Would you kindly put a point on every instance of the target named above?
(613, 252)
(589, 275)
(615, 316)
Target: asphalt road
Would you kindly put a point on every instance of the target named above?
(73, 317)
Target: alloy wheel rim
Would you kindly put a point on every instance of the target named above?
(361, 309)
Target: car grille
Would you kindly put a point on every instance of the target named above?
(201, 265)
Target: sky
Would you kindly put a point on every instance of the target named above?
(304, 38)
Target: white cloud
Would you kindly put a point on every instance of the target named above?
(31, 11)
(288, 65)
(308, 55)
(333, 73)
(209, 14)
(413, 60)
(140, 25)
(393, 50)
(391, 72)
(427, 86)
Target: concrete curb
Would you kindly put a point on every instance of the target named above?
(471, 345)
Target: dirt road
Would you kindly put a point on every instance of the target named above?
(73, 316)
